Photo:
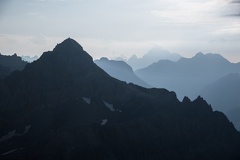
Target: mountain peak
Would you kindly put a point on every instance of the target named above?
(68, 44)
(213, 57)
(199, 54)
(72, 50)
(105, 59)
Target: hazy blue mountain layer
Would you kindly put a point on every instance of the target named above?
(121, 71)
(153, 55)
(187, 76)
(224, 95)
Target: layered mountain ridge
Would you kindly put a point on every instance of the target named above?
(63, 106)
(121, 71)
(187, 76)
(153, 55)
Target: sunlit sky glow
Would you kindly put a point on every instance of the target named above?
(115, 28)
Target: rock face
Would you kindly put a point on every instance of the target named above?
(63, 106)
(9, 64)
(121, 71)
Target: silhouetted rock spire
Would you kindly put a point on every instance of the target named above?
(71, 48)
(68, 44)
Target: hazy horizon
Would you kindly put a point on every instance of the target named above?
(121, 28)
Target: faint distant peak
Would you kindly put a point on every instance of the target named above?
(156, 48)
(121, 59)
(199, 54)
(133, 57)
(157, 52)
(215, 55)
(210, 56)
(29, 58)
(104, 59)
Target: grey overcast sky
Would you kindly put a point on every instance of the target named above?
(115, 28)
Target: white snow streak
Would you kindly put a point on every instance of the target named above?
(109, 106)
(11, 151)
(104, 121)
(8, 136)
(13, 134)
(87, 100)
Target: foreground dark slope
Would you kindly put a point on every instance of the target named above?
(63, 106)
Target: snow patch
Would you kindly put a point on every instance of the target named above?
(87, 100)
(11, 151)
(104, 121)
(26, 129)
(109, 106)
(8, 136)
(14, 134)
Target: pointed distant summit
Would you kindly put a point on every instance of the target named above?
(205, 58)
(199, 54)
(155, 54)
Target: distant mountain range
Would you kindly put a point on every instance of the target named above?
(187, 76)
(9, 64)
(121, 71)
(29, 58)
(63, 106)
(153, 55)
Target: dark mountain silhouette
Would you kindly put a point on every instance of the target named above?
(9, 64)
(187, 76)
(120, 70)
(153, 55)
(4, 71)
(63, 106)
(224, 95)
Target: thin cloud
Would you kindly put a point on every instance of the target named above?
(236, 1)
(234, 15)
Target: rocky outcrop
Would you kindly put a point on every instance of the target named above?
(9, 64)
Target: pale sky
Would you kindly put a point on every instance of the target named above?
(113, 28)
